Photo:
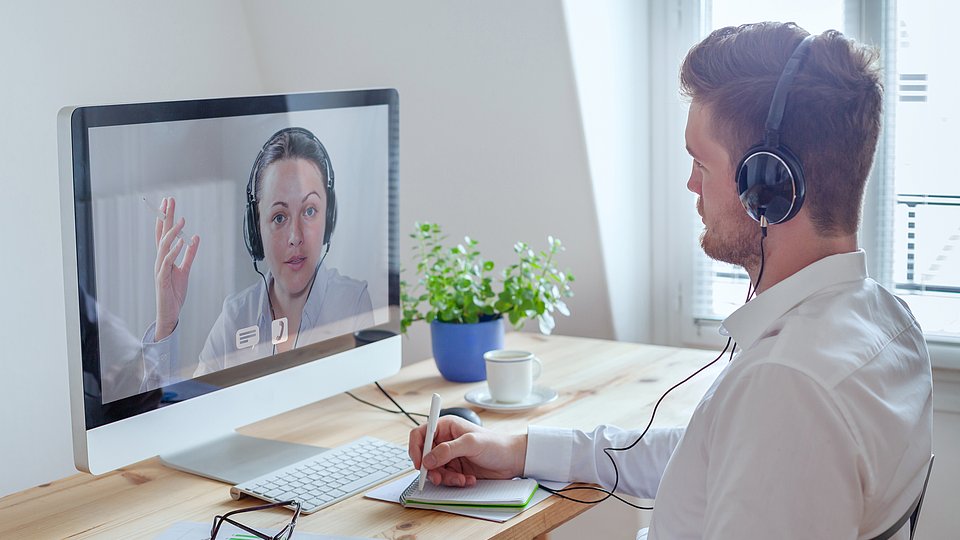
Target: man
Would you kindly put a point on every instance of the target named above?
(821, 426)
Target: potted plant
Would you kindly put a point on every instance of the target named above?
(455, 293)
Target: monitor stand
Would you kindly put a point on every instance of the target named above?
(236, 458)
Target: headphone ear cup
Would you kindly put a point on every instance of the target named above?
(331, 215)
(770, 183)
(251, 232)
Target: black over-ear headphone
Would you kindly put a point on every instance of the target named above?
(251, 217)
(770, 176)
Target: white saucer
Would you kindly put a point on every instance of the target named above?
(540, 395)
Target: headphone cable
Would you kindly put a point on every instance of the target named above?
(266, 289)
(751, 292)
(608, 450)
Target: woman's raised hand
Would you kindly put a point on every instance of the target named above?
(171, 280)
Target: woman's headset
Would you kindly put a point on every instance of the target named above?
(251, 219)
(770, 176)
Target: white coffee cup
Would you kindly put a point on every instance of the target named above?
(510, 374)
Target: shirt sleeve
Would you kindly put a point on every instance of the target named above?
(783, 461)
(161, 363)
(569, 455)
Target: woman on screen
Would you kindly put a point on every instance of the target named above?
(290, 217)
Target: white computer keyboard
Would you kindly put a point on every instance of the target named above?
(330, 476)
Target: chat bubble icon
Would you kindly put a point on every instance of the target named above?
(248, 337)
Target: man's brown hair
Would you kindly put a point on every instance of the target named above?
(832, 116)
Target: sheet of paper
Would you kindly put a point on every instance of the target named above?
(391, 492)
(187, 530)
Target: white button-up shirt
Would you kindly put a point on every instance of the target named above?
(820, 427)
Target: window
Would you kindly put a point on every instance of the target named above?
(911, 227)
(926, 231)
(721, 288)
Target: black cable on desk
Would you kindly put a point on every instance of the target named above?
(402, 410)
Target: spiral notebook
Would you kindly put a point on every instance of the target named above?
(507, 495)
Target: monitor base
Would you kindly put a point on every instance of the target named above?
(236, 458)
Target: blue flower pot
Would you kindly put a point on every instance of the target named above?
(458, 348)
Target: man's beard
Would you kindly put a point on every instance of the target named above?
(740, 245)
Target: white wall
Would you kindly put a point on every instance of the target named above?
(491, 140)
(611, 56)
(55, 54)
(491, 143)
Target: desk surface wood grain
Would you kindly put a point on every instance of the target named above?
(598, 382)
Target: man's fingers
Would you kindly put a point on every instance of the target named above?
(449, 477)
(415, 445)
(443, 453)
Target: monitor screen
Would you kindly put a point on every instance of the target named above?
(209, 244)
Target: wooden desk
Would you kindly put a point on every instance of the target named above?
(598, 382)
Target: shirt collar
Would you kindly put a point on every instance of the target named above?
(748, 323)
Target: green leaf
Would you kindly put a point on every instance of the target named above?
(452, 284)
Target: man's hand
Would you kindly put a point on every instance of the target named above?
(464, 452)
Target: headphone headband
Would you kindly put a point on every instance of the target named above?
(324, 157)
(779, 101)
(769, 176)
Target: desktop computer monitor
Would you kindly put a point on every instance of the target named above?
(225, 260)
